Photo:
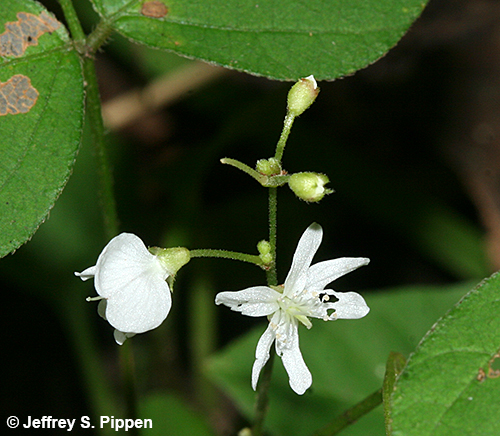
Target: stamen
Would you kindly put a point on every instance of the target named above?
(88, 299)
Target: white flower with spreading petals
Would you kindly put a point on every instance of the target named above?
(131, 282)
(303, 295)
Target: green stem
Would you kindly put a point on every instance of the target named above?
(72, 19)
(262, 395)
(99, 35)
(94, 114)
(110, 216)
(245, 168)
(224, 254)
(93, 109)
(287, 126)
(262, 399)
(272, 276)
(351, 415)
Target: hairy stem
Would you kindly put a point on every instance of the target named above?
(287, 126)
(272, 276)
(272, 280)
(245, 168)
(224, 254)
(94, 115)
(99, 36)
(108, 204)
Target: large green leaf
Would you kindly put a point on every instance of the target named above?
(451, 385)
(41, 117)
(284, 39)
(347, 360)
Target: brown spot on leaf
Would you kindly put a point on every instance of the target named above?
(481, 375)
(492, 372)
(20, 34)
(154, 9)
(17, 96)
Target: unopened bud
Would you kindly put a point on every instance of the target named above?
(268, 167)
(302, 95)
(265, 254)
(309, 187)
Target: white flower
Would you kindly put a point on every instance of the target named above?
(302, 296)
(132, 282)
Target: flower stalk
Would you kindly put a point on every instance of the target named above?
(224, 254)
(287, 127)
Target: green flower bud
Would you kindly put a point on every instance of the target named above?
(302, 95)
(268, 167)
(265, 254)
(173, 258)
(264, 247)
(309, 187)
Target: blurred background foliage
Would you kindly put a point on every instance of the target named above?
(410, 145)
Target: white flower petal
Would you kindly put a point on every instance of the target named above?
(304, 253)
(142, 303)
(89, 273)
(255, 301)
(351, 305)
(133, 282)
(322, 273)
(124, 259)
(262, 354)
(300, 377)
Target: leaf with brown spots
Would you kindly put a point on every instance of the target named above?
(17, 96)
(41, 83)
(20, 34)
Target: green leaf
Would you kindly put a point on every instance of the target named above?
(395, 365)
(283, 39)
(346, 358)
(41, 117)
(451, 385)
(171, 416)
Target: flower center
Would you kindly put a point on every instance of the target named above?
(296, 309)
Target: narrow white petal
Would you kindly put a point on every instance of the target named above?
(322, 273)
(121, 337)
(101, 308)
(351, 305)
(300, 377)
(255, 301)
(262, 354)
(89, 273)
(304, 253)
